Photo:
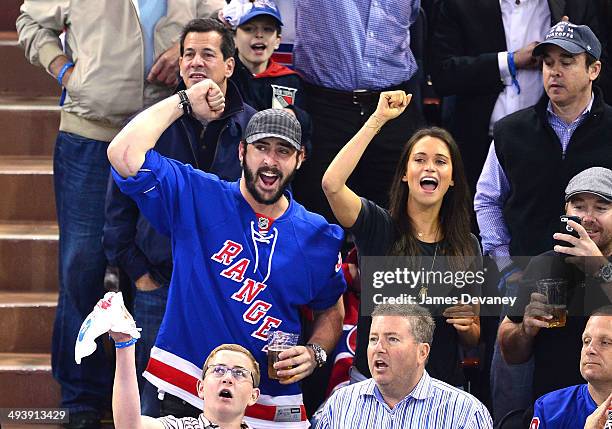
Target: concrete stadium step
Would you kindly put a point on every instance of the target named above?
(27, 189)
(27, 321)
(28, 257)
(26, 381)
(22, 78)
(29, 125)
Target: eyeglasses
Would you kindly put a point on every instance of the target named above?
(239, 373)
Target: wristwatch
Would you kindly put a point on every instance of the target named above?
(319, 353)
(184, 104)
(605, 272)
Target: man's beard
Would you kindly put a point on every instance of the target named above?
(250, 178)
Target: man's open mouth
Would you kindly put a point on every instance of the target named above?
(197, 75)
(269, 178)
(380, 364)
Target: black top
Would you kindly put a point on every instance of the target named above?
(375, 233)
(556, 351)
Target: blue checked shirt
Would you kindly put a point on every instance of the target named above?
(431, 404)
(354, 44)
(493, 189)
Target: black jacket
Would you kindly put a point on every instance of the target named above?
(256, 90)
(530, 154)
(130, 241)
(556, 352)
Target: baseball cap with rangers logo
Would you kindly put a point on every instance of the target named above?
(572, 38)
(262, 7)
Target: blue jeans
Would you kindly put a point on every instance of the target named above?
(511, 385)
(80, 174)
(149, 309)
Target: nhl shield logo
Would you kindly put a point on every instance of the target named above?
(282, 96)
(263, 223)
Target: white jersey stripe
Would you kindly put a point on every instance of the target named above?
(164, 386)
(266, 424)
(176, 362)
(280, 400)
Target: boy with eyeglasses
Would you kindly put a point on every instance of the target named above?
(230, 380)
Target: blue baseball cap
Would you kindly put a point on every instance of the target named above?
(262, 7)
(572, 38)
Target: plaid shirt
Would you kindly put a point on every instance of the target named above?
(347, 44)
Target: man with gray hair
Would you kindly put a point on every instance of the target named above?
(584, 261)
(401, 393)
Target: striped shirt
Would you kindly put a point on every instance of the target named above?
(171, 422)
(431, 404)
(347, 44)
(493, 189)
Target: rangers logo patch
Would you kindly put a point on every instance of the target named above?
(282, 96)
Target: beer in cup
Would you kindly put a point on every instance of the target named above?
(555, 291)
(278, 341)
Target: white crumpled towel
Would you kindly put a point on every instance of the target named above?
(108, 314)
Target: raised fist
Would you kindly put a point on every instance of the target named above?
(391, 104)
(207, 100)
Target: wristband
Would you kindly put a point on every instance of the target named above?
(505, 273)
(125, 344)
(512, 67)
(184, 104)
(60, 77)
(63, 70)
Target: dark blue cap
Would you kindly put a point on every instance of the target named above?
(574, 39)
(262, 7)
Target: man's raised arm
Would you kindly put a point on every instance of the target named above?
(127, 151)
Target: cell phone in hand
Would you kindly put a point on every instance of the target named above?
(565, 228)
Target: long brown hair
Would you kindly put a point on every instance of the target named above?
(455, 212)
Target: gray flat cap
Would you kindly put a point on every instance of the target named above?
(594, 180)
(274, 123)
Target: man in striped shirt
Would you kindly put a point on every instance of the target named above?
(230, 380)
(400, 393)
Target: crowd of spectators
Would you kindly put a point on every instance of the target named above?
(450, 133)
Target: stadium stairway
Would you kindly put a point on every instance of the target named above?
(29, 120)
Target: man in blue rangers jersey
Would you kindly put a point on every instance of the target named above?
(569, 408)
(246, 255)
